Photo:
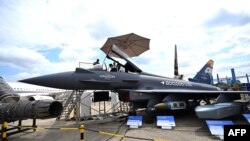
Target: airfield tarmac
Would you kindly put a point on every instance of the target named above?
(188, 128)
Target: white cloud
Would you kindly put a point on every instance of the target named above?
(21, 57)
(79, 28)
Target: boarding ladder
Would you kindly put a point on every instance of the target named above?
(71, 102)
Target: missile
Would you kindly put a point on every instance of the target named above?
(161, 106)
(218, 111)
(30, 109)
(171, 105)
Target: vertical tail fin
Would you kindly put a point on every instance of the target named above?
(205, 74)
(176, 71)
(233, 75)
(218, 78)
(234, 84)
(247, 78)
(228, 81)
(7, 94)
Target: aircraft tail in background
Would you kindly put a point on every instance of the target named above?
(234, 84)
(7, 94)
(176, 72)
(205, 74)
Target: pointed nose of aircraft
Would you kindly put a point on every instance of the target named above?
(59, 80)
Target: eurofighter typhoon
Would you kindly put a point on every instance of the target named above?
(145, 90)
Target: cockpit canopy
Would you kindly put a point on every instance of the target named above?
(120, 62)
(129, 65)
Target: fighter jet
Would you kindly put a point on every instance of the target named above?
(145, 90)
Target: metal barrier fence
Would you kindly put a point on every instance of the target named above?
(4, 131)
(81, 129)
(5, 126)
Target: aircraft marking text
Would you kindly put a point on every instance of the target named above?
(107, 76)
(175, 83)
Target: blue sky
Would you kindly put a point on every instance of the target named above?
(47, 36)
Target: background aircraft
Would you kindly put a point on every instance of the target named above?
(33, 92)
(232, 83)
(145, 90)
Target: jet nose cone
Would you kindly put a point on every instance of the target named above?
(29, 80)
(59, 80)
